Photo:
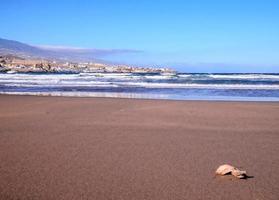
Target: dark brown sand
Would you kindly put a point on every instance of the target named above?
(98, 148)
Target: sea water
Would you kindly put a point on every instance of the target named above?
(180, 86)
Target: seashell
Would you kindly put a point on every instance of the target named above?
(239, 174)
(224, 169)
(228, 169)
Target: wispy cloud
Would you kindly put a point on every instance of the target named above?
(93, 51)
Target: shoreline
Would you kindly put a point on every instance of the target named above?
(237, 87)
(111, 148)
(126, 96)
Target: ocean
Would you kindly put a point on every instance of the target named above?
(180, 86)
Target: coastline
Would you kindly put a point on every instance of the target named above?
(115, 148)
(224, 87)
(112, 95)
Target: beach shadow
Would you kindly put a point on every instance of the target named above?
(247, 177)
(232, 178)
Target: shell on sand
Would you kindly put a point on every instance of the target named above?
(239, 174)
(224, 169)
(228, 169)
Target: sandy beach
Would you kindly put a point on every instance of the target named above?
(103, 148)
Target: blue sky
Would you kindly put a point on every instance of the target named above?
(191, 36)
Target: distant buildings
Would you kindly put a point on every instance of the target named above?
(14, 63)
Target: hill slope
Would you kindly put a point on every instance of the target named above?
(21, 49)
(70, 54)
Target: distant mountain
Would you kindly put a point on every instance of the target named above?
(58, 53)
(21, 49)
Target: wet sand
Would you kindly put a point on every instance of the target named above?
(101, 148)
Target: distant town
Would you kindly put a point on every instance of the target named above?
(15, 64)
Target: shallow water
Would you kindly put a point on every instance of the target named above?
(181, 86)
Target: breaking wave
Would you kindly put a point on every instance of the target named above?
(169, 86)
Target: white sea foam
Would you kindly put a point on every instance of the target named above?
(61, 83)
(143, 96)
(184, 75)
(201, 86)
(133, 80)
(92, 94)
(129, 76)
(158, 77)
(244, 76)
